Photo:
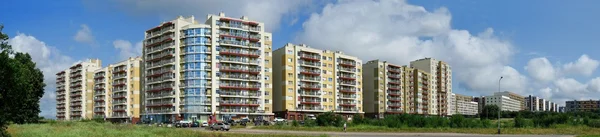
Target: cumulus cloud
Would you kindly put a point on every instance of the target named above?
(584, 66)
(270, 12)
(541, 69)
(84, 35)
(126, 49)
(399, 32)
(49, 60)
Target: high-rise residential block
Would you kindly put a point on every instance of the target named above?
(74, 91)
(441, 83)
(126, 87)
(218, 67)
(582, 105)
(532, 103)
(102, 92)
(309, 81)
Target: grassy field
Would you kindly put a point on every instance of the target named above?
(556, 130)
(93, 129)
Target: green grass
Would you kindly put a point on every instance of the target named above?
(93, 129)
(555, 130)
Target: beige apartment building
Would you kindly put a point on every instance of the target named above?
(125, 94)
(441, 83)
(74, 91)
(310, 81)
(102, 92)
(218, 68)
(514, 96)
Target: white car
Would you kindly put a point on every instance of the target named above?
(204, 124)
(278, 119)
(311, 117)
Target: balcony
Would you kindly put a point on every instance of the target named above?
(310, 79)
(239, 43)
(349, 83)
(310, 57)
(310, 101)
(239, 69)
(119, 109)
(99, 110)
(309, 108)
(243, 77)
(240, 94)
(152, 65)
(155, 42)
(118, 84)
(195, 110)
(160, 72)
(241, 111)
(309, 93)
(347, 109)
(394, 93)
(315, 72)
(78, 94)
(159, 104)
(157, 57)
(205, 102)
(239, 86)
(348, 104)
(347, 77)
(394, 76)
(238, 103)
(119, 96)
(394, 99)
(310, 86)
(119, 70)
(159, 95)
(394, 87)
(254, 54)
(162, 47)
(154, 111)
(240, 60)
(347, 90)
(347, 69)
(310, 63)
(240, 36)
(120, 76)
(343, 96)
(394, 105)
(346, 63)
(395, 82)
(394, 69)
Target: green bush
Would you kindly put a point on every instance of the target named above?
(594, 123)
(330, 119)
(458, 121)
(310, 123)
(519, 121)
(295, 123)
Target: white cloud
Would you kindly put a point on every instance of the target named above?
(270, 12)
(84, 35)
(584, 66)
(399, 32)
(49, 60)
(127, 50)
(541, 69)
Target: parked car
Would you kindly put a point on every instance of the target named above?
(204, 124)
(278, 119)
(220, 126)
(195, 124)
(183, 124)
(311, 117)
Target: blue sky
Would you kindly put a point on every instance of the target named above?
(544, 36)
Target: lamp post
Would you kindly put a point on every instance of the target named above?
(499, 106)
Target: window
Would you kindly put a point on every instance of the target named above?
(324, 99)
(266, 77)
(288, 67)
(290, 75)
(330, 93)
(267, 101)
(324, 58)
(290, 83)
(268, 86)
(290, 90)
(329, 58)
(266, 61)
(267, 53)
(324, 65)
(289, 59)
(330, 65)
(324, 85)
(330, 79)
(290, 52)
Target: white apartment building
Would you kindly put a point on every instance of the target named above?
(217, 67)
(75, 101)
(504, 102)
(441, 83)
(465, 105)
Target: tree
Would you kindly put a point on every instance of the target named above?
(330, 119)
(21, 88)
(489, 112)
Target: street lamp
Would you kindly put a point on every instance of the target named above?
(499, 106)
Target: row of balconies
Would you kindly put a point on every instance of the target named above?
(160, 79)
(160, 110)
(347, 63)
(309, 108)
(309, 56)
(240, 60)
(223, 110)
(160, 56)
(347, 69)
(152, 42)
(310, 63)
(238, 103)
(239, 68)
(238, 85)
(205, 102)
(242, 26)
(157, 72)
(234, 76)
(195, 110)
(154, 49)
(309, 78)
(244, 94)
(239, 52)
(152, 65)
(239, 43)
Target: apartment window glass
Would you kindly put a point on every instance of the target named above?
(290, 90)
(330, 79)
(329, 58)
(266, 61)
(290, 82)
(289, 59)
(290, 75)
(267, 101)
(290, 52)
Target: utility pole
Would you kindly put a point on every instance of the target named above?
(499, 106)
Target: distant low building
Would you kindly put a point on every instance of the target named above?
(464, 105)
(504, 102)
(582, 105)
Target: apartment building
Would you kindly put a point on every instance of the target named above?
(383, 89)
(194, 70)
(419, 93)
(532, 103)
(125, 90)
(514, 96)
(312, 81)
(504, 102)
(481, 101)
(74, 91)
(102, 92)
(441, 82)
(465, 105)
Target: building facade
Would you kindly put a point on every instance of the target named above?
(514, 96)
(532, 103)
(504, 102)
(103, 92)
(194, 70)
(441, 79)
(312, 81)
(78, 95)
(465, 105)
(125, 90)
(582, 105)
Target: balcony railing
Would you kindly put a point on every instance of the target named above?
(317, 78)
(346, 89)
(348, 69)
(347, 63)
(239, 52)
(310, 101)
(310, 86)
(310, 57)
(164, 94)
(309, 108)
(156, 57)
(253, 61)
(239, 43)
(310, 63)
(240, 77)
(348, 82)
(160, 110)
(240, 94)
(238, 103)
(241, 111)
(159, 63)
(310, 71)
(239, 69)
(159, 103)
(239, 86)
(315, 93)
(160, 48)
